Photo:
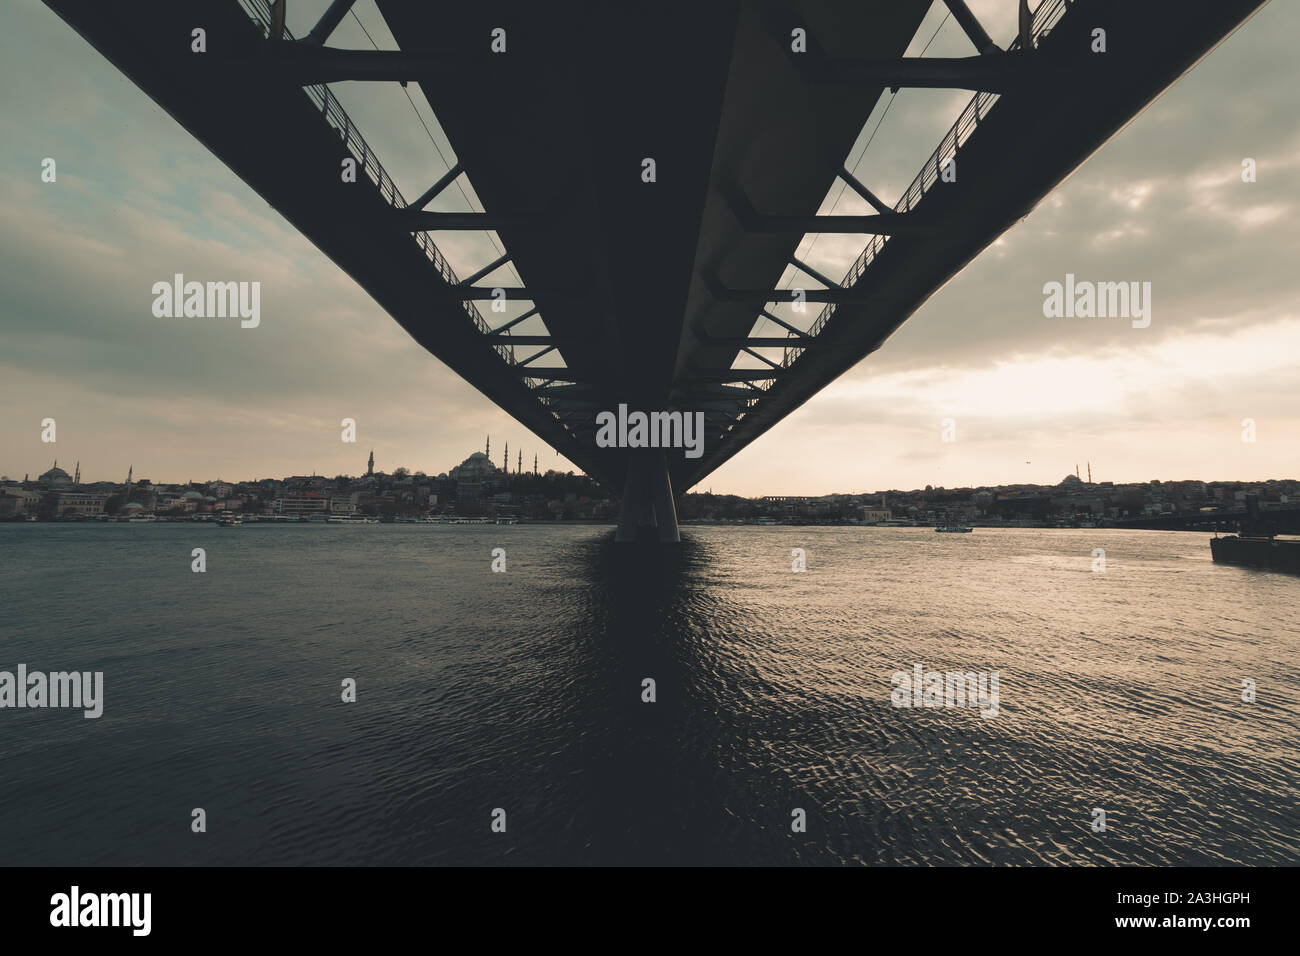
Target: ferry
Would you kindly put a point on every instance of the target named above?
(227, 519)
(352, 519)
(141, 519)
(1256, 545)
(947, 526)
(507, 521)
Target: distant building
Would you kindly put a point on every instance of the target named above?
(300, 506)
(55, 478)
(78, 504)
(19, 501)
(475, 476)
(344, 504)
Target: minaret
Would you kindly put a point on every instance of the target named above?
(129, 471)
(370, 468)
(519, 463)
(489, 448)
(534, 466)
(76, 480)
(505, 462)
(1089, 472)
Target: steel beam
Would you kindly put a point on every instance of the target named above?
(515, 321)
(433, 191)
(535, 356)
(312, 65)
(505, 339)
(761, 358)
(989, 73)
(887, 223)
(328, 21)
(480, 293)
(864, 192)
(420, 221)
(824, 280)
(488, 269)
(838, 294)
(797, 333)
(732, 375)
(971, 27)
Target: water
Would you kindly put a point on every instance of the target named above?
(522, 691)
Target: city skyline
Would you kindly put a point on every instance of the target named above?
(704, 488)
(137, 200)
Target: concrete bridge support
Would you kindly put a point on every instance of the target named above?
(648, 512)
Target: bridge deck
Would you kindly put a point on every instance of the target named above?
(627, 274)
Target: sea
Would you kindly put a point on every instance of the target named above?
(597, 704)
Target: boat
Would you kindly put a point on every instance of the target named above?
(1256, 546)
(948, 526)
(141, 519)
(507, 521)
(228, 519)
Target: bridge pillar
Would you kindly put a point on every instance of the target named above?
(648, 511)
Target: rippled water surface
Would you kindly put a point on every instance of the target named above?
(1120, 690)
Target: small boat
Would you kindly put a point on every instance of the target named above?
(228, 519)
(507, 521)
(141, 519)
(948, 526)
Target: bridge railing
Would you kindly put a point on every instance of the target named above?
(337, 119)
(1047, 15)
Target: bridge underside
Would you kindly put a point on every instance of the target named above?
(649, 290)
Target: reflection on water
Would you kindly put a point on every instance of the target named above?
(523, 691)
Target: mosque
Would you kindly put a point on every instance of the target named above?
(476, 475)
(57, 478)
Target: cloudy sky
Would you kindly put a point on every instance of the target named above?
(137, 199)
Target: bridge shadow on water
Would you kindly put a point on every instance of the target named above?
(649, 790)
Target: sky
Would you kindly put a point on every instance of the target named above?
(1026, 397)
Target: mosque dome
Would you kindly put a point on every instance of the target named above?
(56, 476)
(477, 465)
